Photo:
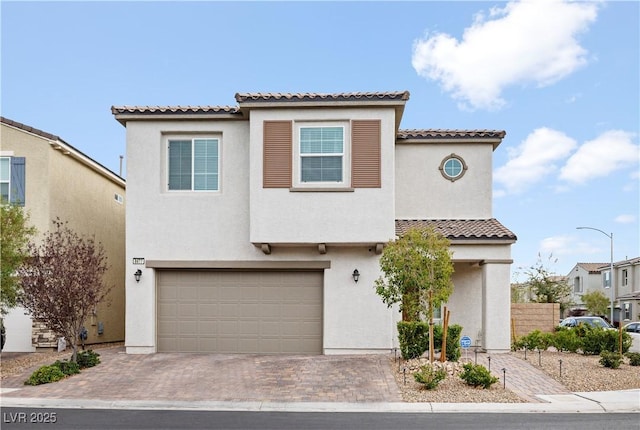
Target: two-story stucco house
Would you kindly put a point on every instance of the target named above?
(588, 277)
(258, 228)
(52, 179)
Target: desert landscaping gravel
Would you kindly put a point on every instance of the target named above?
(579, 373)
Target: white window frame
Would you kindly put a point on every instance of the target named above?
(346, 154)
(577, 284)
(192, 138)
(8, 181)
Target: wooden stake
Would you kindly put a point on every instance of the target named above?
(445, 331)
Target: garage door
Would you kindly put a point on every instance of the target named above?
(240, 312)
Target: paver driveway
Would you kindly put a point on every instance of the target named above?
(216, 377)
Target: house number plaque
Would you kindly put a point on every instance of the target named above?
(137, 260)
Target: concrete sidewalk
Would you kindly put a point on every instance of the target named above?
(359, 383)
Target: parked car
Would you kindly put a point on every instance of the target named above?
(591, 321)
(633, 328)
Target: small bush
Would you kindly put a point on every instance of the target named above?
(565, 339)
(534, 340)
(68, 367)
(45, 375)
(413, 337)
(611, 360)
(477, 375)
(634, 358)
(453, 342)
(429, 376)
(87, 359)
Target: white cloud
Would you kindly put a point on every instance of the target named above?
(610, 151)
(625, 219)
(524, 42)
(534, 159)
(557, 245)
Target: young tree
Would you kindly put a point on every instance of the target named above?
(596, 302)
(417, 272)
(15, 233)
(547, 287)
(62, 281)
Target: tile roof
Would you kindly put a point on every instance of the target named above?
(59, 141)
(115, 110)
(29, 129)
(304, 97)
(450, 134)
(459, 229)
(593, 268)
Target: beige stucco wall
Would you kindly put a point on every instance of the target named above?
(364, 215)
(421, 189)
(60, 186)
(227, 225)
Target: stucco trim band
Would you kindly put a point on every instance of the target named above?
(239, 264)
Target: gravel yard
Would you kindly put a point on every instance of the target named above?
(584, 373)
(579, 373)
(12, 363)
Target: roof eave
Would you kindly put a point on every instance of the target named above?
(123, 118)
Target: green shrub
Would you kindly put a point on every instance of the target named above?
(429, 376)
(477, 375)
(413, 337)
(634, 358)
(87, 359)
(596, 339)
(566, 339)
(453, 342)
(611, 360)
(534, 340)
(45, 375)
(68, 367)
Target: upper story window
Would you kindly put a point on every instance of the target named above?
(12, 180)
(5, 178)
(337, 155)
(194, 164)
(625, 275)
(322, 154)
(453, 167)
(577, 285)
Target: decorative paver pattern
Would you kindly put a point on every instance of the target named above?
(241, 378)
(521, 376)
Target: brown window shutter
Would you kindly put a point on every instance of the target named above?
(276, 168)
(365, 154)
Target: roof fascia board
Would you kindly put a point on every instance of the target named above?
(123, 118)
(66, 149)
(436, 140)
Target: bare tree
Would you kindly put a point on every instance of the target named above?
(62, 281)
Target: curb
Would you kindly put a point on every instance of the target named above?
(560, 404)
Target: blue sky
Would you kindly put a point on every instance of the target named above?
(562, 79)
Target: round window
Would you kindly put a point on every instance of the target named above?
(453, 167)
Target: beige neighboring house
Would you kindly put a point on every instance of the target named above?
(52, 179)
(258, 228)
(626, 278)
(586, 277)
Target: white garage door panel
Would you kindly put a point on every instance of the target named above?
(240, 312)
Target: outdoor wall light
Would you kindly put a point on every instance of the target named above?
(356, 275)
(137, 275)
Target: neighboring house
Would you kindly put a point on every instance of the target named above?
(626, 278)
(257, 228)
(52, 179)
(587, 277)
